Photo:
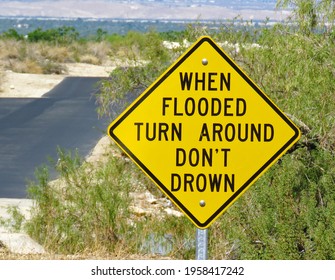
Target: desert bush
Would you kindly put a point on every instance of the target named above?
(300, 80)
(61, 35)
(1, 80)
(87, 211)
(26, 66)
(12, 49)
(283, 214)
(12, 34)
(99, 50)
(287, 214)
(47, 57)
(57, 54)
(145, 59)
(90, 59)
(35, 58)
(50, 67)
(311, 15)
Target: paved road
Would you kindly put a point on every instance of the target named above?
(32, 128)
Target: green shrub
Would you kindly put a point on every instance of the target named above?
(61, 35)
(288, 213)
(144, 60)
(87, 211)
(12, 34)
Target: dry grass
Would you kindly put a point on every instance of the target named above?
(100, 50)
(5, 255)
(9, 49)
(118, 254)
(59, 54)
(26, 66)
(1, 80)
(47, 58)
(90, 59)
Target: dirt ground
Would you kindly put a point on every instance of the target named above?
(35, 85)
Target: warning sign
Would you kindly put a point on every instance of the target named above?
(204, 132)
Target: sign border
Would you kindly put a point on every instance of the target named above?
(159, 81)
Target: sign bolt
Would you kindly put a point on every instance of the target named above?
(202, 203)
(204, 61)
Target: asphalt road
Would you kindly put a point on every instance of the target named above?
(31, 129)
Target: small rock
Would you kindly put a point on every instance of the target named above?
(172, 212)
(21, 244)
(138, 211)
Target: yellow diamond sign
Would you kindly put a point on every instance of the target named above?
(204, 132)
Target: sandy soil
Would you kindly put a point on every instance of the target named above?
(35, 85)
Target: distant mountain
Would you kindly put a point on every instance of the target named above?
(134, 1)
(142, 9)
(181, 2)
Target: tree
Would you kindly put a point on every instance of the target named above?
(310, 14)
(66, 34)
(12, 34)
(100, 35)
(146, 58)
(62, 35)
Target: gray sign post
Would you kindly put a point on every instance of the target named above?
(201, 252)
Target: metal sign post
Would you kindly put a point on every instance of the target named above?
(201, 252)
